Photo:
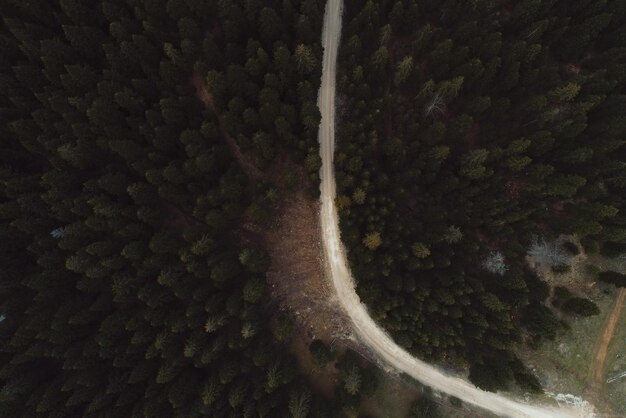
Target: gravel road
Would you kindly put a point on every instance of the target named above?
(364, 328)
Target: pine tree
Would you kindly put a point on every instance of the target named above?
(372, 241)
(305, 59)
(581, 306)
(299, 402)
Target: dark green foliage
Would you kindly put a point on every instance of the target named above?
(613, 277)
(491, 377)
(257, 261)
(613, 249)
(284, 327)
(351, 373)
(322, 355)
(467, 129)
(358, 379)
(501, 369)
(561, 268)
(300, 402)
(525, 378)
(581, 306)
(125, 286)
(538, 290)
(456, 402)
(424, 407)
(371, 380)
(561, 294)
(590, 245)
(540, 322)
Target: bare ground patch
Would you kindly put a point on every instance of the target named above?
(615, 366)
(296, 275)
(596, 379)
(297, 284)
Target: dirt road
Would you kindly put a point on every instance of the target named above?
(364, 328)
(596, 372)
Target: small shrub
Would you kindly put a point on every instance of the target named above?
(456, 401)
(540, 320)
(571, 248)
(581, 306)
(613, 249)
(613, 277)
(561, 294)
(291, 179)
(424, 407)
(525, 378)
(538, 289)
(535, 342)
(283, 328)
(561, 269)
(322, 355)
(591, 246)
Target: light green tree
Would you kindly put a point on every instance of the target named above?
(305, 59)
(403, 71)
(452, 234)
(420, 250)
(372, 240)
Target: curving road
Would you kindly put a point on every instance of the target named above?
(364, 327)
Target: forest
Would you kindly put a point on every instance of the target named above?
(125, 288)
(139, 136)
(472, 135)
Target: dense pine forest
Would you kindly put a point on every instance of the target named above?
(125, 289)
(139, 136)
(472, 134)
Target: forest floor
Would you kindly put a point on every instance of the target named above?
(296, 274)
(597, 376)
(297, 284)
(615, 365)
(392, 398)
(610, 350)
(395, 394)
(575, 362)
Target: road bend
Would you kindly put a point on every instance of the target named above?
(364, 328)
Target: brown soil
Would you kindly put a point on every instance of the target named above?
(596, 377)
(297, 284)
(324, 380)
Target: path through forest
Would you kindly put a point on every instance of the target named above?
(596, 378)
(365, 330)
